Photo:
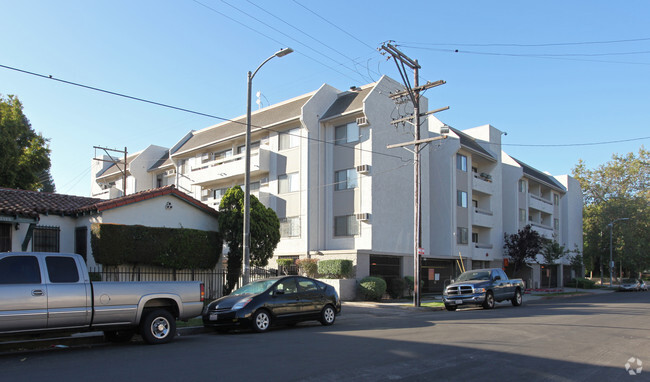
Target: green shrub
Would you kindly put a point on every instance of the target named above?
(308, 267)
(396, 287)
(410, 282)
(372, 288)
(581, 283)
(335, 269)
(285, 262)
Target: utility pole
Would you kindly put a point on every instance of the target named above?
(116, 162)
(413, 94)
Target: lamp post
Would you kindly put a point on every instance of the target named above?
(247, 176)
(611, 260)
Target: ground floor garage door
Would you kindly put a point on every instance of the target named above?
(436, 274)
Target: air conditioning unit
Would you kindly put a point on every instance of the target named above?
(362, 122)
(170, 172)
(363, 169)
(363, 216)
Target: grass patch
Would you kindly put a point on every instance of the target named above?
(434, 304)
(196, 321)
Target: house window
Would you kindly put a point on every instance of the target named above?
(522, 185)
(346, 225)
(219, 193)
(220, 155)
(242, 149)
(5, 237)
(556, 199)
(475, 203)
(289, 139)
(346, 133)
(46, 239)
(345, 179)
(556, 224)
(461, 162)
(461, 235)
(288, 183)
(474, 237)
(182, 166)
(522, 215)
(80, 242)
(461, 199)
(290, 227)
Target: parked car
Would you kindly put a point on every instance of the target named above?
(483, 287)
(284, 299)
(46, 292)
(629, 285)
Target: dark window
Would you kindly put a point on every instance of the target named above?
(62, 269)
(461, 162)
(5, 237)
(80, 242)
(46, 239)
(346, 225)
(387, 267)
(20, 270)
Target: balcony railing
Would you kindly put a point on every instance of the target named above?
(230, 167)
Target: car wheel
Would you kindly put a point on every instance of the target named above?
(451, 308)
(119, 336)
(489, 301)
(518, 299)
(327, 315)
(261, 321)
(158, 327)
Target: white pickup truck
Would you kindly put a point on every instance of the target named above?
(48, 292)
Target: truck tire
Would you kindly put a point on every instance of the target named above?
(518, 299)
(158, 327)
(489, 300)
(450, 308)
(119, 336)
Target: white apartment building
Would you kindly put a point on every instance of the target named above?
(320, 161)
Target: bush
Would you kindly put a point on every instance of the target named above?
(335, 269)
(372, 288)
(581, 283)
(285, 262)
(308, 267)
(410, 282)
(396, 287)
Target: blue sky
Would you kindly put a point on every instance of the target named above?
(547, 73)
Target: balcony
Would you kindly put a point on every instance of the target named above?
(482, 218)
(540, 204)
(483, 183)
(230, 167)
(542, 229)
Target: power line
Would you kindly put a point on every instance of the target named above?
(531, 45)
(575, 144)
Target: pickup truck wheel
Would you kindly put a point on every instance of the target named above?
(451, 308)
(327, 315)
(158, 327)
(119, 336)
(261, 321)
(518, 299)
(489, 300)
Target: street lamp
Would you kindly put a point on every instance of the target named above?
(611, 260)
(247, 176)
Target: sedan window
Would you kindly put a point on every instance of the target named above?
(287, 286)
(307, 285)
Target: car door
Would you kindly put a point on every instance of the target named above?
(498, 285)
(311, 296)
(23, 305)
(285, 300)
(68, 294)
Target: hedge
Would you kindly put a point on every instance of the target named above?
(308, 267)
(372, 288)
(335, 269)
(174, 248)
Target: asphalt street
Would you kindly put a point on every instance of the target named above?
(586, 338)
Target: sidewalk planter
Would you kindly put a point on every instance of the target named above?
(346, 288)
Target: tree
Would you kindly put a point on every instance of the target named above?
(524, 245)
(264, 232)
(552, 251)
(614, 190)
(24, 154)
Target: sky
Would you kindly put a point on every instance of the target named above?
(567, 80)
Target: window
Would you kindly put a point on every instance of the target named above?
(20, 270)
(290, 139)
(46, 239)
(461, 162)
(474, 237)
(5, 237)
(556, 199)
(306, 285)
(62, 269)
(461, 199)
(556, 224)
(182, 166)
(522, 185)
(346, 225)
(80, 242)
(220, 155)
(461, 235)
(219, 193)
(475, 203)
(287, 286)
(522, 215)
(255, 186)
(345, 179)
(288, 183)
(346, 133)
(242, 149)
(290, 227)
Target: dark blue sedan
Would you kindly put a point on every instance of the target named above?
(286, 299)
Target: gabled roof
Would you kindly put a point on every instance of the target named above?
(347, 102)
(271, 115)
(32, 204)
(163, 162)
(470, 143)
(116, 168)
(540, 176)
